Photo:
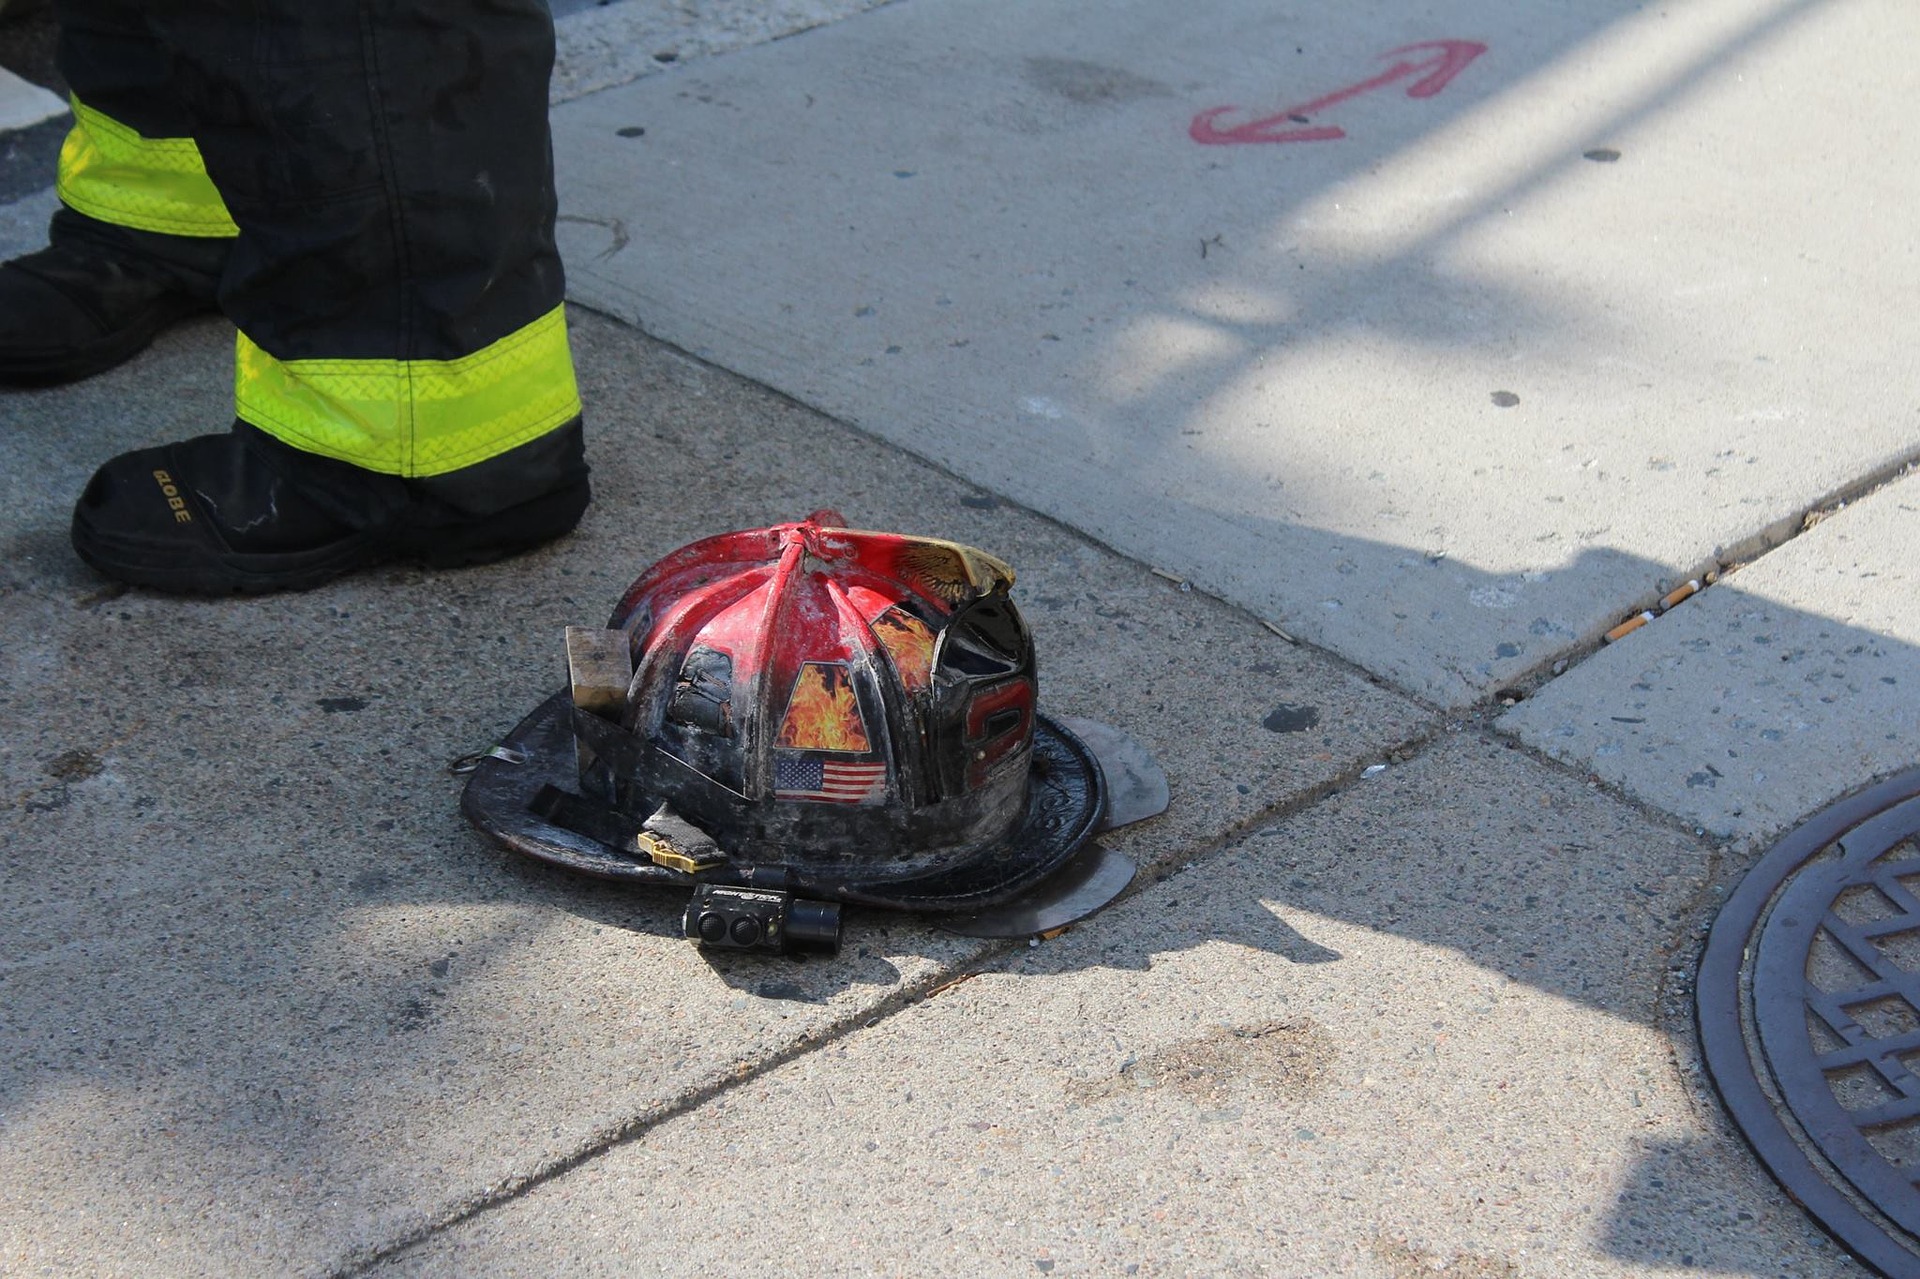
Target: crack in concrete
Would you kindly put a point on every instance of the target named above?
(929, 986)
(639, 1126)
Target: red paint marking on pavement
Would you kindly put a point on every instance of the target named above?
(1445, 59)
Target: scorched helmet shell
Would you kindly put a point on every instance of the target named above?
(829, 711)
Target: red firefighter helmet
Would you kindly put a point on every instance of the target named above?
(823, 710)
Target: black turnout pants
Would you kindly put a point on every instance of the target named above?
(383, 173)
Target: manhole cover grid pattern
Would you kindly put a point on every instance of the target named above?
(1837, 1007)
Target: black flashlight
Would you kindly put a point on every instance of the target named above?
(724, 918)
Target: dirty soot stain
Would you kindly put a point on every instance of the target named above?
(1404, 1261)
(410, 1014)
(1505, 399)
(1288, 1060)
(342, 705)
(369, 883)
(74, 766)
(1089, 83)
(1288, 718)
(1601, 155)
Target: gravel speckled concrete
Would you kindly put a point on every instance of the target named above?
(1417, 1030)
(1445, 394)
(1396, 995)
(1795, 679)
(271, 1006)
(606, 44)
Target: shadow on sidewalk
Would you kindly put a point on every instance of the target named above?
(258, 971)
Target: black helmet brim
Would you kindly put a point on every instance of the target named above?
(523, 794)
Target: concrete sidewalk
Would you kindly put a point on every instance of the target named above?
(23, 105)
(1404, 988)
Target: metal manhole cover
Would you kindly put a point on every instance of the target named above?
(1809, 1007)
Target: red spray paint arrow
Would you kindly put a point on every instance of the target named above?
(1444, 60)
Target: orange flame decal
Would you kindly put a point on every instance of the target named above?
(909, 645)
(823, 714)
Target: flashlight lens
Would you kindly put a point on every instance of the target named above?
(814, 926)
(712, 927)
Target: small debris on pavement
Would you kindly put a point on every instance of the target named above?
(1685, 591)
(1629, 626)
(950, 983)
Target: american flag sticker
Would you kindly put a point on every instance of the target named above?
(832, 781)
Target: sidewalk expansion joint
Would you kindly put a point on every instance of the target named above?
(361, 1262)
(984, 958)
(1437, 724)
(1664, 596)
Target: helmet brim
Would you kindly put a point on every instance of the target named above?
(524, 795)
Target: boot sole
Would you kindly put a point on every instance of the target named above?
(208, 573)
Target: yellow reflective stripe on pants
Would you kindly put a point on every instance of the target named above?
(110, 173)
(415, 417)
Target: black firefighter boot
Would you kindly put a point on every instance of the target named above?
(244, 512)
(97, 295)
